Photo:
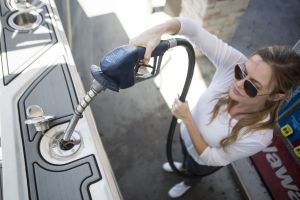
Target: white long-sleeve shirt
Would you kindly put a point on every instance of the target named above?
(224, 58)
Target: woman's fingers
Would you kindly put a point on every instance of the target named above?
(180, 109)
(176, 105)
(148, 40)
(151, 45)
(148, 53)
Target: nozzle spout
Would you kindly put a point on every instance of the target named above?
(95, 89)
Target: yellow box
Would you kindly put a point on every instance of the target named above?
(297, 151)
(286, 130)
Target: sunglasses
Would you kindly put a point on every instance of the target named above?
(249, 87)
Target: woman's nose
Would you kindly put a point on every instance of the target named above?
(240, 83)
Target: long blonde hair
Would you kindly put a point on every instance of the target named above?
(285, 64)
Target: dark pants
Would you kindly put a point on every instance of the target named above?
(193, 168)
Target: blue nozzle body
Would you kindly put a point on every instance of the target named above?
(116, 70)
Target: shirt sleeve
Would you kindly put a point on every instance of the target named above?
(217, 51)
(242, 148)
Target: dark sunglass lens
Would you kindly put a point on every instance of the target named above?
(238, 73)
(250, 89)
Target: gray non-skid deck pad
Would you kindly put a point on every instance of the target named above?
(54, 92)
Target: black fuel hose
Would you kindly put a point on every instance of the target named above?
(191, 65)
(118, 75)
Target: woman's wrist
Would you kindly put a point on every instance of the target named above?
(197, 139)
(169, 27)
(188, 119)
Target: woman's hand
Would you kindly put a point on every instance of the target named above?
(181, 110)
(148, 39)
(151, 37)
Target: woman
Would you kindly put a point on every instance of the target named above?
(235, 117)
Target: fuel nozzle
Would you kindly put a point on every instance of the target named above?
(118, 69)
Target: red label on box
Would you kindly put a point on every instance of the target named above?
(279, 170)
